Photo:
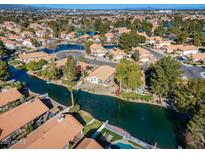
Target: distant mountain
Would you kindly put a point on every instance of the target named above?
(19, 7)
(116, 7)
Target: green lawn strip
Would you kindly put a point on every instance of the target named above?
(115, 135)
(86, 116)
(91, 128)
(135, 144)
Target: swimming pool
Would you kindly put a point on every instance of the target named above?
(120, 145)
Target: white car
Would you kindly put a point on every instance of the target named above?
(203, 74)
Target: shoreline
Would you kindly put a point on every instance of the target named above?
(103, 94)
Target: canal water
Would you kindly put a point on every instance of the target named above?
(146, 122)
(78, 47)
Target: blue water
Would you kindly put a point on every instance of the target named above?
(123, 146)
(203, 33)
(62, 47)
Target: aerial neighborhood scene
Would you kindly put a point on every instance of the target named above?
(102, 76)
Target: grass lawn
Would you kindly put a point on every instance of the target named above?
(135, 144)
(115, 136)
(90, 129)
(86, 116)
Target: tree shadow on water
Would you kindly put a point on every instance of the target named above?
(179, 122)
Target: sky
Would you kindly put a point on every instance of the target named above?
(121, 6)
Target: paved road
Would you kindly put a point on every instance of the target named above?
(99, 62)
(193, 72)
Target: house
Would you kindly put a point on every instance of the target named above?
(9, 97)
(14, 123)
(197, 57)
(88, 143)
(85, 37)
(96, 38)
(35, 56)
(70, 35)
(153, 39)
(182, 49)
(27, 34)
(97, 50)
(10, 44)
(109, 37)
(162, 43)
(144, 55)
(56, 133)
(28, 43)
(102, 75)
(122, 30)
(61, 62)
(117, 53)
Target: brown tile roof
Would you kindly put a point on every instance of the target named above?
(117, 52)
(54, 134)
(36, 56)
(96, 46)
(182, 47)
(20, 116)
(198, 56)
(103, 72)
(89, 143)
(9, 96)
(61, 62)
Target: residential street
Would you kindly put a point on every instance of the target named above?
(190, 71)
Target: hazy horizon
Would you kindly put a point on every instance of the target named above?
(121, 6)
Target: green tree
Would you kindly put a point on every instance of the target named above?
(4, 70)
(164, 75)
(70, 74)
(195, 135)
(128, 75)
(2, 49)
(129, 40)
(87, 47)
(51, 72)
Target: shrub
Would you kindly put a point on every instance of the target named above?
(134, 96)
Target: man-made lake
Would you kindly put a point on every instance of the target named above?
(146, 122)
(80, 47)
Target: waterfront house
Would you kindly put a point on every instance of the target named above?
(9, 44)
(117, 53)
(8, 97)
(97, 50)
(15, 123)
(84, 37)
(28, 43)
(35, 56)
(88, 143)
(61, 62)
(109, 37)
(70, 35)
(56, 133)
(182, 49)
(96, 38)
(102, 75)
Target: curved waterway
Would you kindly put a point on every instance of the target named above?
(146, 122)
(76, 46)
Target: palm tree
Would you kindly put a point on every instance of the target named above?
(70, 88)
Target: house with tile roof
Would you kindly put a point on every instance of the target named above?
(56, 133)
(8, 97)
(102, 75)
(15, 122)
